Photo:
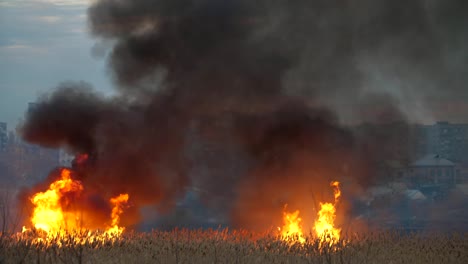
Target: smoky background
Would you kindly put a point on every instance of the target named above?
(254, 104)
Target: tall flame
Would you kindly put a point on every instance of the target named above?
(118, 203)
(324, 225)
(54, 211)
(48, 214)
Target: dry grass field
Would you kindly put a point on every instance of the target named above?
(196, 246)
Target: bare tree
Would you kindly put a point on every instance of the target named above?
(10, 214)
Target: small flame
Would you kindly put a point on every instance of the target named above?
(292, 228)
(336, 190)
(118, 203)
(324, 225)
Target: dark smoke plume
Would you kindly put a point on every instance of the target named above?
(267, 85)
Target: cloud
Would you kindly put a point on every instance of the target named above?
(22, 49)
(57, 3)
(67, 2)
(14, 3)
(43, 25)
(49, 19)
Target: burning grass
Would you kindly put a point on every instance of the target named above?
(51, 240)
(223, 246)
(52, 216)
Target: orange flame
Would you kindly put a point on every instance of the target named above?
(292, 228)
(118, 203)
(54, 214)
(324, 225)
(48, 214)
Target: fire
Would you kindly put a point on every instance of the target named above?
(55, 214)
(49, 214)
(292, 228)
(81, 158)
(118, 203)
(324, 225)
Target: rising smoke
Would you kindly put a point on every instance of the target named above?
(267, 85)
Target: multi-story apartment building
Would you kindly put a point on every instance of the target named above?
(404, 144)
(449, 141)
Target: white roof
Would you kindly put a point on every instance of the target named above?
(415, 195)
(432, 160)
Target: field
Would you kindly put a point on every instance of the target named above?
(223, 246)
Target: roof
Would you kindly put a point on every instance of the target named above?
(414, 195)
(379, 191)
(432, 160)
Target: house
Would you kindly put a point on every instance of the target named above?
(432, 173)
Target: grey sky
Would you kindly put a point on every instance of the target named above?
(42, 43)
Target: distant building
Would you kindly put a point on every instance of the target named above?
(3, 136)
(433, 175)
(449, 141)
(25, 163)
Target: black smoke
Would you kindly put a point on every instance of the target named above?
(266, 84)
